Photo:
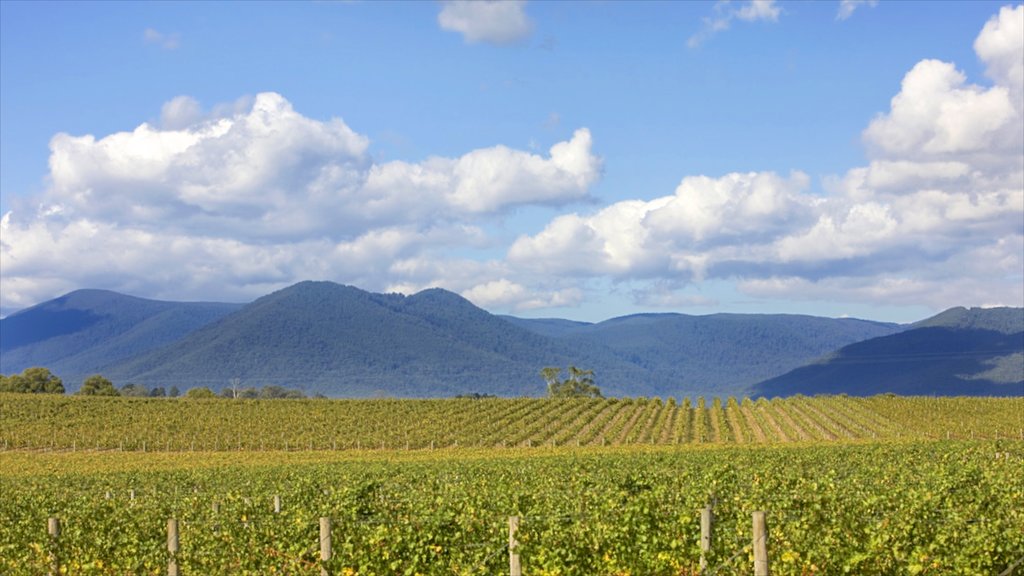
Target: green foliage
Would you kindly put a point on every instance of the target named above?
(35, 380)
(865, 509)
(579, 384)
(134, 390)
(97, 385)
(34, 421)
(200, 392)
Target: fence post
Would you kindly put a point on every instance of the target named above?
(53, 529)
(325, 545)
(706, 519)
(172, 547)
(515, 567)
(277, 504)
(760, 545)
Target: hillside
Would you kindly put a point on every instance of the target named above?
(343, 341)
(718, 353)
(85, 331)
(337, 340)
(960, 351)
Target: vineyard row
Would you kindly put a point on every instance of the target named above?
(72, 423)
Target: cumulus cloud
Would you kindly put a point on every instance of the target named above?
(725, 13)
(936, 217)
(847, 7)
(254, 194)
(234, 201)
(671, 234)
(490, 21)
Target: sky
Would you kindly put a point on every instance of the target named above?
(581, 160)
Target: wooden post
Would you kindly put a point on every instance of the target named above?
(760, 545)
(172, 547)
(277, 504)
(325, 545)
(53, 529)
(706, 519)
(515, 567)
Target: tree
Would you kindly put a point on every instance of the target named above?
(12, 383)
(200, 392)
(97, 385)
(579, 384)
(173, 392)
(157, 392)
(35, 380)
(134, 390)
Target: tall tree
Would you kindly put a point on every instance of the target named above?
(580, 383)
(97, 385)
(35, 380)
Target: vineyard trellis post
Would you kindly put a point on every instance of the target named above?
(515, 567)
(53, 529)
(760, 545)
(706, 519)
(325, 545)
(172, 547)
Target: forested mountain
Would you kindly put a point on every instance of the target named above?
(343, 341)
(960, 351)
(86, 331)
(721, 353)
(338, 340)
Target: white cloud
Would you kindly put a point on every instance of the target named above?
(936, 114)
(490, 21)
(726, 12)
(165, 41)
(671, 234)
(223, 203)
(847, 7)
(180, 112)
(1001, 46)
(505, 294)
(936, 217)
(231, 202)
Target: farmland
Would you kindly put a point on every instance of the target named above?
(36, 422)
(872, 486)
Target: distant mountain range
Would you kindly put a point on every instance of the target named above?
(977, 352)
(341, 341)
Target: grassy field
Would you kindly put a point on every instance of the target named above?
(872, 486)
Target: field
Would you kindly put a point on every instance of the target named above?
(849, 485)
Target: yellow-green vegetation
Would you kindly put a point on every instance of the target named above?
(867, 486)
(911, 507)
(159, 424)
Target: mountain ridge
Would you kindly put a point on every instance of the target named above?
(340, 340)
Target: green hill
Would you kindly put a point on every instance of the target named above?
(86, 331)
(715, 354)
(342, 341)
(960, 351)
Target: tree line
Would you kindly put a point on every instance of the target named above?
(39, 380)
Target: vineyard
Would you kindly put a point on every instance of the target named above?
(916, 507)
(868, 486)
(35, 422)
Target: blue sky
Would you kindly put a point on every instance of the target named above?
(582, 160)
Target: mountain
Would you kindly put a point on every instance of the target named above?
(343, 341)
(85, 331)
(977, 351)
(717, 354)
